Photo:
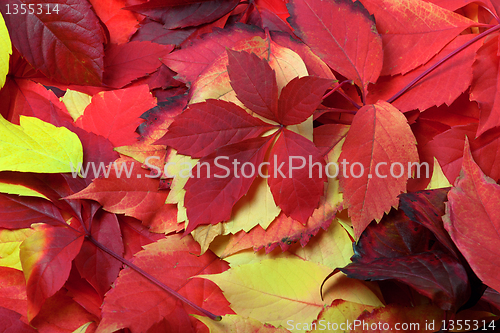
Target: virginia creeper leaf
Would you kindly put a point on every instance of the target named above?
(254, 82)
(182, 14)
(37, 146)
(172, 261)
(297, 188)
(10, 240)
(238, 324)
(486, 83)
(115, 114)
(299, 98)
(206, 126)
(11, 322)
(75, 102)
(127, 62)
(65, 45)
(96, 266)
(46, 258)
(472, 221)
(342, 34)
(379, 136)
(413, 31)
(211, 195)
(6, 51)
(120, 23)
(13, 290)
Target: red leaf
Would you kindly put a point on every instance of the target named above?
(485, 85)
(127, 62)
(190, 61)
(11, 322)
(172, 261)
(442, 85)
(94, 265)
(204, 127)
(299, 98)
(472, 219)
(211, 194)
(413, 31)
(135, 235)
(13, 290)
(296, 190)
(32, 99)
(379, 134)
(342, 34)
(254, 82)
(46, 258)
(66, 45)
(181, 14)
(20, 212)
(133, 193)
(120, 23)
(115, 114)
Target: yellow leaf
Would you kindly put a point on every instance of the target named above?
(75, 102)
(438, 179)
(5, 51)
(205, 234)
(277, 290)
(10, 240)
(238, 324)
(83, 328)
(337, 317)
(20, 190)
(37, 146)
(257, 207)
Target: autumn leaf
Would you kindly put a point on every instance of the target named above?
(46, 258)
(323, 26)
(120, 108)
(64, 41)
(11, 322)
(37, 146)
(473, 199)
(10, 240)
(407, 46)
(172, 261)
(6, 47)
(379, 137)
(238, 324)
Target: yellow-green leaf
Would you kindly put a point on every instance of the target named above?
(20, 190)
(10, 240)
(5, 51)
(75, 102)
(83, 328)
(238, 324)
(277, 290)
(37, 146)
(438, 179)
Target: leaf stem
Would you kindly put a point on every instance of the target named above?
(153, 279)
(343, 93)
(418, 78)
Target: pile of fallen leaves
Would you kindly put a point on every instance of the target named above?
(249, 166)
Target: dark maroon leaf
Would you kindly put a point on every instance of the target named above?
(65, 45)
(182, 14)
(20, 212)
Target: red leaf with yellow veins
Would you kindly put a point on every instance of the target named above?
(206, 126)
(413, 31)
(472, 219)
(254, 82)
(299, 98)
(46, 258)
(379, 136)
(173, 261)
(342, 34)
(115, 114)
(296, 186)
(224, 177)
(64, 41)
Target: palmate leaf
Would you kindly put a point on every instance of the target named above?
(472, 219)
